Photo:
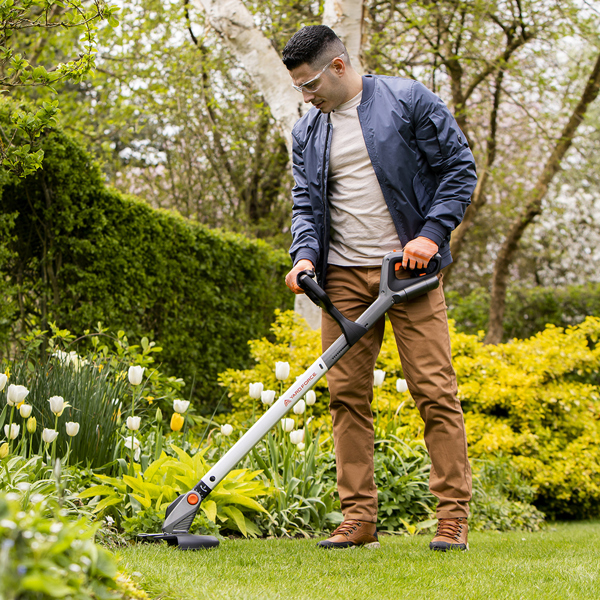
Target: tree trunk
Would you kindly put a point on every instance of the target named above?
(534, 208)
(346, 18)
(234, 23)
(478, 200)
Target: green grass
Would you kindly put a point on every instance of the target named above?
(562, 562)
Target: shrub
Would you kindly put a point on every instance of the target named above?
(83, 253)
(502, 498)
(45, 555)
(139, 502)
(535, 402)
(528, 310)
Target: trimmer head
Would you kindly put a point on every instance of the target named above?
(184, 541)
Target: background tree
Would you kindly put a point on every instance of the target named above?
(191, 108)
(42, 45)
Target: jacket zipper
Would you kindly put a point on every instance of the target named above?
(325, 175)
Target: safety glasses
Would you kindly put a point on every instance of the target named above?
(315, 83)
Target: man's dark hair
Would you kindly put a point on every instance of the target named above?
(313, 45)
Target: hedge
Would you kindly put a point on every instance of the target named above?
(528, 310)
(84, 253)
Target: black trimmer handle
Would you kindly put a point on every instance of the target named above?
(351, 330)
(405, 289)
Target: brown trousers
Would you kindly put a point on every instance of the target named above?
(421, 330)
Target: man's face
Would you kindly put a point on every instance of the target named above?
(330, 90)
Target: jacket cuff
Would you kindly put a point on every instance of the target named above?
(305, 253)
(434, 231)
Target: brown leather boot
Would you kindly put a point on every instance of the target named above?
(451, 534)
(352, 533)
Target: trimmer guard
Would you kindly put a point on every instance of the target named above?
(184, 541)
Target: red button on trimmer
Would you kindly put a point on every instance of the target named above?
(192, 499)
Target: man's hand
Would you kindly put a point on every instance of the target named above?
(418, 253)
(292, 276)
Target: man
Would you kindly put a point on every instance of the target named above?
(380, 164)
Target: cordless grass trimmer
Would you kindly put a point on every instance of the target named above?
(181, 512)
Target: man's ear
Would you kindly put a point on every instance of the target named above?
(339, 66)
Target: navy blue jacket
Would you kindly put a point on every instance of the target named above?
(420, 156)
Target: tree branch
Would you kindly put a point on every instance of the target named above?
(534, 207)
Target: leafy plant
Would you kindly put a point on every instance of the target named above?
(302, 499)
(402, 480)
(140, 501)
(44, 554)
(502, 499)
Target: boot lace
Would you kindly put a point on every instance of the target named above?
(346, 528)
(450, 528)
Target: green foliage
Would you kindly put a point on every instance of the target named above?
(502, 499)
(528, 310)
(27, 29)
(46, 555)
(402, 480)
(302, 485)
(93, 255)
(139, 502)
(8, 306)
(535, 402)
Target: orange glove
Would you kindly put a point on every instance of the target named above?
(418, 252)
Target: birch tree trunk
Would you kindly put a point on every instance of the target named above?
(234, 23)
(346, 18)
(236, 27)
(534, 208)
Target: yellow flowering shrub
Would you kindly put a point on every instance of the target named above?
(534, 401)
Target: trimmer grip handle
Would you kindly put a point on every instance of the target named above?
(351, 330)
(393, 262)
(312, 289)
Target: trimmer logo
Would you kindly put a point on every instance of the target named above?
(288, 401)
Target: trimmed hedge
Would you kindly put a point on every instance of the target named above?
(86, 254)
(528, 310)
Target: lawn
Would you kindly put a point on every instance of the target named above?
(562, 562)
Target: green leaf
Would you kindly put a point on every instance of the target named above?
(238, 517)
(210, 509)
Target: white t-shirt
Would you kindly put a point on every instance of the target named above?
(362, 230)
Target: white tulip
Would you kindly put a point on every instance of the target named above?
(136, 446)
(68, 358)
(287, 424)
(57, 405)
(255, 390)
(310, 397)
(25, 410)
(49, 435)
(72, 428)
(282, 370)
(379, 376)
(135, 375)
(226, 429)
(16, 394)
(268, 397)
(133, 423)
(3, 380)
(12, 431)
(401, 386)
(299, 407)
(180, 406)
(300, 446)
(297, 436)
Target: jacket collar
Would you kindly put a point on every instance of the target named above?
(368, 88)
